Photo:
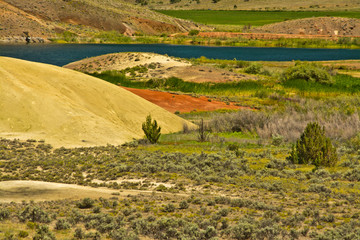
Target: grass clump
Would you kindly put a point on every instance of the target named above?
(314, 147)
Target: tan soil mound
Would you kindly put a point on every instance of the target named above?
(120, 61)
(181, 103)
(68, 108)
(335, 26)
(162, 67)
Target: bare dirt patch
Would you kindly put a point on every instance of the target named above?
(45, 191)
(182, 103)
(20, 190)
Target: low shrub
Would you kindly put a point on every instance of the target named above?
(254, 68)
(85, 203)
(194, 32)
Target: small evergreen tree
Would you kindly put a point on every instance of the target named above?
(314, 147)
(151, 129)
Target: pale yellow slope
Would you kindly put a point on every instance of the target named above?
(68, 108)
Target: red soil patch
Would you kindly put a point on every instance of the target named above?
(181, 103)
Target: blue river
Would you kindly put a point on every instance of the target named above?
(61, 54)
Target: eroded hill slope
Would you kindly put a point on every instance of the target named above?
(68, 108)
(45, 18)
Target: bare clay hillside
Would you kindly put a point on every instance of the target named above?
(45, 18)
(71, 109)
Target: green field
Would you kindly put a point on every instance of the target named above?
(255, 18)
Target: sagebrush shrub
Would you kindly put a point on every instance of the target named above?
(314, 147)
(254, 68)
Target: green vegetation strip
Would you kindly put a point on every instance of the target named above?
(256, 18)
(342, 84)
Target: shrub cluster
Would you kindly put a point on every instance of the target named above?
(309, 72)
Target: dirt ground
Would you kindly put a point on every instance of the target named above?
(181, 103)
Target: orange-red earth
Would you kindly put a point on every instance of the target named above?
(180, 102)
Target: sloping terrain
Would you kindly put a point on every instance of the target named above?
(180, 102)
(68, 108)
(45, 18)
(314, 5)
(315, 26)
(157, 66)
(120, 61)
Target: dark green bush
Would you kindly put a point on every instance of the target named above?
(194, 32)
(34, 214)
(151, 129)
(254, 68)
(314, 147)
(62, 224)
(85, 203)
(311, 72)
(184, 205)
(4, 213)
(43, 233)
(23, 234)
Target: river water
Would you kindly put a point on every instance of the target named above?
(61, 54)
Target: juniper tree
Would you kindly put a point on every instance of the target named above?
(313, 147)
(151, 129)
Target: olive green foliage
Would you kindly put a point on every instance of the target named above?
(314, 147)
(43, 233)
(194, 32)
(151, 129)
(85, 203)
(253, 68)
(203, 134)
(34, 214)
(310, 72)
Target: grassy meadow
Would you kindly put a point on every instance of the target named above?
(254, 18)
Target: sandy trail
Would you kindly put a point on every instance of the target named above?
(18, 191)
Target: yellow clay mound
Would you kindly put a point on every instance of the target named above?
(71, 109)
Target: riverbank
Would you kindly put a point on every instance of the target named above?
(211, 39)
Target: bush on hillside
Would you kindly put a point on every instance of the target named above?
(310, 72)
(314, 147)
(194, 32)
(151, 129)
